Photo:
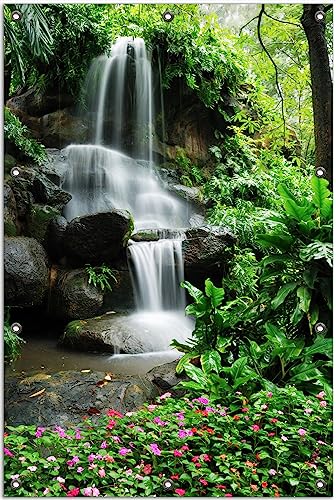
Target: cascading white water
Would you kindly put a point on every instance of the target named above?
(100, 177)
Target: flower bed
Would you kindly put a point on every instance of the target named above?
(272, 445)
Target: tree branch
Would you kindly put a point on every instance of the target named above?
(241, 29)
(262, 11)
(280, 21)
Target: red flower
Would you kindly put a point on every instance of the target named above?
(276, 494)
(271, 434)
(258, 457)
(73, 493)
(111, 424)
(206, 458)
(221, 486)
(209, 430)
(180, 492)
(114, 413)
(254, 487)
(198, 465)
(245, 410)
(205, 413)
(274, 420)
(236, 417)
(228, 495)
(175, 476)
(195, 458)
(147, 469)
(194, 430)
(264, 484)
(255, 428)
(204, 482)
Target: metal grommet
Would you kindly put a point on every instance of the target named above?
(16, 15)
(320, 328)
(16, 328)
(15, 172)
(320, 484)
(168, 484)
(320, 172)
(168, 16)
(15, 483)
(319, 16)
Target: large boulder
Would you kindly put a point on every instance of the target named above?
(206, 246)
(71, 296)
(38, 219)
(55, 237)
(120, 298)
(45, 191)
(26, 272)
(67, 396)
(127, 334)
(98, 238)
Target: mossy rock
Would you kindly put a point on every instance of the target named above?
(38, 220)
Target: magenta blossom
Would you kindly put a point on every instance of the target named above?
(77, 434)
(204, 401)
(320, 395)
(166, 395)
(8, 453)
(124, 451)
(302, 432)
(155, 449)
(79, 469)
(102, 472)
(269, 394)
(178, 453)
(185, 433)
(103, 445)
(91, 492)
(323, 404)
(272, 472)
(39, 432)
(255, 428)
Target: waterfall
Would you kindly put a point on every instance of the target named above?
(116, 170)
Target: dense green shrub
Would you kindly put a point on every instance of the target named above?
(20, 136)
(274, 444)
(12, 341)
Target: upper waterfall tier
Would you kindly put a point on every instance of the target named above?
(119, 99)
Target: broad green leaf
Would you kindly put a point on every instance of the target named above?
(304, 373)
(309, 277)
(282, 294)
(196, 374)
(191, 385)
(215, 294)
(194, 292)
(304, 294)
(282, 242)
(281, 259)
(318, 250)
(211, 361)
(314, 314)
(297, 315)
(322, 196)
(285, 193)
(237, 369)
(299, 212)
(274, 333)
(184, 360)
(223, 343)
(320, 346)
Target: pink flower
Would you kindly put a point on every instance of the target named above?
(180, 492)
(91, 457)
(185, 433)
(272, 472)
(165, 395)
(178, 453)
(321, 442)
(302, 432)
(8, 453)
(151, 407)
(308, 411)
(60, 431)
(274, 420)
(204, 401)
(320, 395)
(204, 482)
(245, 410)
(79, 469)
(46, 491)
(323, 404)
(157, 420)
(138, 477)
(116, 439)
(77, 434)
(60, 479)
(284, 438)
(206, 458)
(185, 447)
(255, 428)
(39, 432)
(87, 492)
(271, 434)
(103, 445)
(102, 472)
(124, 451)
(155, 449)
(228, 495)
(73, 493)
(32, 468)
(111, 424)
(51, 459)
(269, 394)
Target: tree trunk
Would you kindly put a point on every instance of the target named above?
(321, 86)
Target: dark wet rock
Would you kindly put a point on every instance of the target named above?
(61, 128)
(146, 235)
(188, 193)
(37, 104)
(45, 191)
(10, 212)
(56, 165)
(55, 237)
(71, 296)
(26, 272)
(38, 219)
(9, 163)
(107, 333)
(166, 378)
(121, 298)
(98, 238)
(68, 396)
(206, 246)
